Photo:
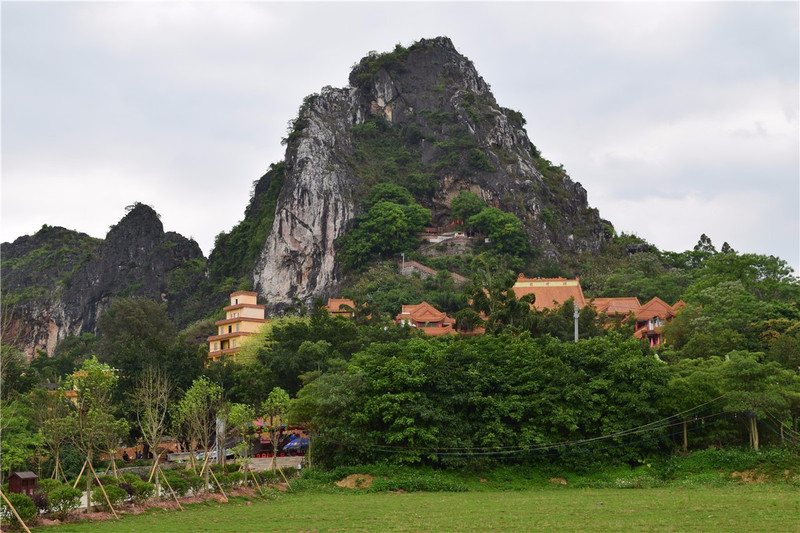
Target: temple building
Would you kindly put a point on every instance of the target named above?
(427, 318)
(651, 318)
(618, 308)
(550, 293)
(243, 317)
(341, 307)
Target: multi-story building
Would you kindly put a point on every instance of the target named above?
(243, 317)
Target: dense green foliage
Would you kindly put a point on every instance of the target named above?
(389, 226)
(505, 397)
(47, 268)
(24, 506)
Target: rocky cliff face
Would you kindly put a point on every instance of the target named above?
(58, 282)
(421, 117)
(452, 131)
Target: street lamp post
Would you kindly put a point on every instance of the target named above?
(575, 315)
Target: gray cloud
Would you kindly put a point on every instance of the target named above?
(686, 109)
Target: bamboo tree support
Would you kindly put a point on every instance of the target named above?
(218, 485)
(193, 462)
(170, 488)
(153, 469)
(205, 463)
(252, 472)
(59, 470)
(102, 488)
(79, 475)
(19, 518)
(288, 485)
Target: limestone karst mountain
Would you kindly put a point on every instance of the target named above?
(420, 117)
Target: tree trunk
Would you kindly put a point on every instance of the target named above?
(685, 438)
(755, 433)
(88, 485)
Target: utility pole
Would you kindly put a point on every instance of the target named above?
(575, 314)
(403, 268)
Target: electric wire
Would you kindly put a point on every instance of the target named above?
(635, 430)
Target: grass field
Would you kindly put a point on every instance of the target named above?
(772, 508)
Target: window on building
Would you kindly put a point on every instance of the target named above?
(233, 343)
(237, 327)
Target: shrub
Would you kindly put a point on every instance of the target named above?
(46, 486)
(106, 480)
(224, 481)
(127, 487)
(144, 491)
(479, 161)
(196, 483)
(115, 495)
(179, 485)
(127, 477)
(41, 501)
(64, 499)
(236, 478)
(416, 482)
(24, 506)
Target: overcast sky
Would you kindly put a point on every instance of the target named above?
(678, 118)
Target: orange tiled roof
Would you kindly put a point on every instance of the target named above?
(654, 308)
(437, 331)
(335, 306)
(422, 313)
(616, 306)
(550, 292)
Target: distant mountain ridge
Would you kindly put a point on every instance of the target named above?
(58, 282)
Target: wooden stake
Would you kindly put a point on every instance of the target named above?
(79, 475)
(256, 480)
(205, 462)
(170, 488)
(104, 492)
(15, 512)
(218, 485)
(153, 469)
(289, 485)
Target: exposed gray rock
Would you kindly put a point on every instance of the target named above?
(71, 278)
(433, 88)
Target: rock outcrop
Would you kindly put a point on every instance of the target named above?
(58, 282)
(453, 130)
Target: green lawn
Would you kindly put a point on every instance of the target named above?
(771, 508)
